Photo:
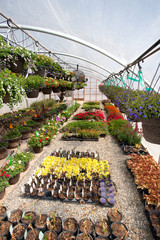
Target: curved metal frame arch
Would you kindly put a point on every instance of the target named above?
(83, 59)
(71, 38)
(88, 69)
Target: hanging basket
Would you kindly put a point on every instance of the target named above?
(41, 72)
(56, 90)
(6, 99)
(18, 65)
(46, 90)
(151, 130)
(33, 94)
(63, 89)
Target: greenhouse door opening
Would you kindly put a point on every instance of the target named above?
(90, 93)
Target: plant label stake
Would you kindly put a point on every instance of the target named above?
(11, 158)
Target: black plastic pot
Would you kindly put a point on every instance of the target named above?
(113, 235)
(22, 235)
(42, 227)
(83, 235)
(105, 235)
(55, 236)
(68, 235)
(92, 226)
(14, 179)
(18, 219)
(24, 221)
(37, 149)
(72, 231)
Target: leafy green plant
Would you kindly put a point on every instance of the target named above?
(3, 144)
(12, 134)
(22, 128)
(31, 123)
(33, 82)
(3, 182)
(124, 132)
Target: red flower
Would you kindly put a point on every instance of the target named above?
(46, 138)
(40, 140)
(7, 175)
(3, 174)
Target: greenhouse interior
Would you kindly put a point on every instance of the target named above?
(80, 119)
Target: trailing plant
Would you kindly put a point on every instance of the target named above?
(11, 83)
(11, 53)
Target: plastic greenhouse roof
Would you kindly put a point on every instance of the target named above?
(122, 29)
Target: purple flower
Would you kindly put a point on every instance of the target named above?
(141, 107)
(144, 116)
(140, 113)
(149, 106)
(129, 109)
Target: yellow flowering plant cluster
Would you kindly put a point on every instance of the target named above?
(81, 168)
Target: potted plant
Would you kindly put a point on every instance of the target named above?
(16, 58)
(102, 229)
(56, 86)
(15, 216)
(43, 63)
(3, 149)
(13, 137)
(25, 131)
(4, 229)
(32, 84)
(119, 230)
(47, 89)
(18, 231)
(41, 222)
(54, 223)
(36, 143)
(34, 125)
(11, 89)
(28, 217)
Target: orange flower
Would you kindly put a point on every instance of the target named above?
(35, 115)
(10, 126)
(24, 123)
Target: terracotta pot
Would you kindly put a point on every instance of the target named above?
(33, 94)
(46, 90)
(14, 179)
(2, 193)
(14, 143)
(3, 152)
(37, 149)
(26, 134)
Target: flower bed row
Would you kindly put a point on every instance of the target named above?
(97, 116)
(146, 173)
(87, 106)
(28, 225)
(75, 179)
(84, 129)
(121, 128)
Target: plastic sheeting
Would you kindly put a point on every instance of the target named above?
(123, 28)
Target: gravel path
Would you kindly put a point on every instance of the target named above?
(127, 198)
